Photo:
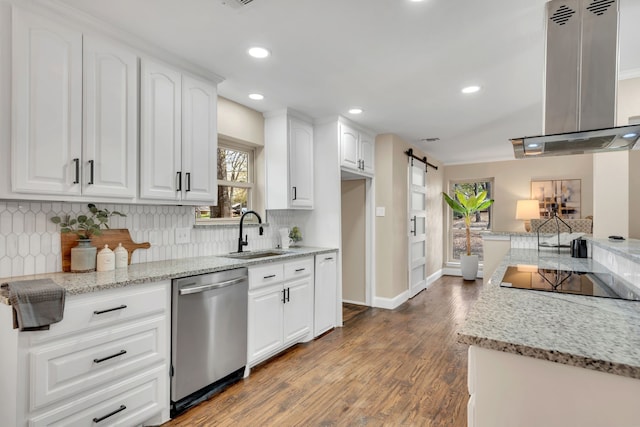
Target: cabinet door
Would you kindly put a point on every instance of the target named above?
(298, 309)
(325, 291)
(199, 141)
(367, 153)
(300, 163)
(265, 322)
(47, 106)
(160, 132)
(349, 147)
(110, 119)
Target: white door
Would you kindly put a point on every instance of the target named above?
(349, 147)
(110, 145)
(47, 106)
(160, 132)
(199, 141)
(298, 309)
(265, 321)
(367, 154)
(301, 164)
(417, 228)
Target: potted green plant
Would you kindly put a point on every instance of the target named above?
(83, 256)
(295, 235)
(468, 205)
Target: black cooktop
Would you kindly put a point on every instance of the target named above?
(603, 285)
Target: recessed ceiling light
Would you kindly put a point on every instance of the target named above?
(256, 96)
(259, 52)
(630, 135)
(533, 145)
(355, 110)
(470, 89)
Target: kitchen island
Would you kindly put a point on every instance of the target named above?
(541, 358)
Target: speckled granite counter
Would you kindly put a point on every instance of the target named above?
(80, 283)
(588, 332)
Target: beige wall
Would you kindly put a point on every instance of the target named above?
(512, 181)
(629, 106)
(353, 240)
(240, 123)
(391, 265)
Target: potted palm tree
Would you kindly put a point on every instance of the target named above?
(468, 205)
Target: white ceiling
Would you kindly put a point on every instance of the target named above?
(403, 62)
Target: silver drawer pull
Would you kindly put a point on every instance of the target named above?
(298, 270)
(271, 276)
(122, 307)
(104, 359)
(110, 414)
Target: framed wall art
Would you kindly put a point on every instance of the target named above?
(561, 195)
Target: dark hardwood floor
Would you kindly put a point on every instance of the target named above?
(399, 367)
(352, 311)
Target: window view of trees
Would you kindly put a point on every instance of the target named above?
(234, 185)
(481, 222)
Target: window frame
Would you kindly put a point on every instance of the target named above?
(250, 185)
(450, 260)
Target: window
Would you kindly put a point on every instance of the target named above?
(479, 223)
(235, 184)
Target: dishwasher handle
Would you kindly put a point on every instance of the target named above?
(210, 286)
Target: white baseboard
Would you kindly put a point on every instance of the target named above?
(354, 302)
(432, 278)
(391, 303)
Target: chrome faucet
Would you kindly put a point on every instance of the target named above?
(245, 242)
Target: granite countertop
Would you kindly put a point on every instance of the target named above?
(588, 332)
(80, 283)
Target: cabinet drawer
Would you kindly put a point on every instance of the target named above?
(105, 308)
(87, 361)
(295, 269)
(130, 402)
(266, 275)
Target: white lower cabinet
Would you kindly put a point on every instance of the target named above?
(326, 293)
(280, 307)
(105, 363)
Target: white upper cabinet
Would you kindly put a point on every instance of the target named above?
(178, 136)
(356, 150)
(199, 140)
(47, 106)
(289, 161)
(75, 112)
(110, 119)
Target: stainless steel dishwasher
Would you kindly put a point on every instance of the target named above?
(208, 335)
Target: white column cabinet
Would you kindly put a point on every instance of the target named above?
(178, 136)
(110, 144)
(357, 150)
(280, 307)
(289, 160)
(326, 293)
(46, 143)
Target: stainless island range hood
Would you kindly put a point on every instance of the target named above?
(581, 79)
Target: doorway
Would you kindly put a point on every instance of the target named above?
(417, 210)
(354, 239)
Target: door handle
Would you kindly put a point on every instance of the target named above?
(288, 294)
(77, 166)
(188, 178)
(414, 225)
(104, 359)
(295, 193)
(179, 178)
(284, 296)
(122, 307)
(110, 414)
(90, 172)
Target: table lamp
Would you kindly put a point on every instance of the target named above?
(527, 210)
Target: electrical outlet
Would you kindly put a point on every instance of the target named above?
(183, 235)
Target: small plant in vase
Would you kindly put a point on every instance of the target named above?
(83, 256)
(295, 235)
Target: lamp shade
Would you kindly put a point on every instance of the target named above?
(527, 209)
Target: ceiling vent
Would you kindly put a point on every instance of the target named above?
(237, 4)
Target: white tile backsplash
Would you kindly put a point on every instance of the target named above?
(30, 242)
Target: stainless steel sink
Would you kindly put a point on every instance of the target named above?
(254, 255)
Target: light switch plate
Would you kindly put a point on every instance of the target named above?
(380, 211)
(183, 235)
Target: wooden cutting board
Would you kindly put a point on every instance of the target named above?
(109, 237)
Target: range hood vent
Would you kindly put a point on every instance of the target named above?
(581, 79)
